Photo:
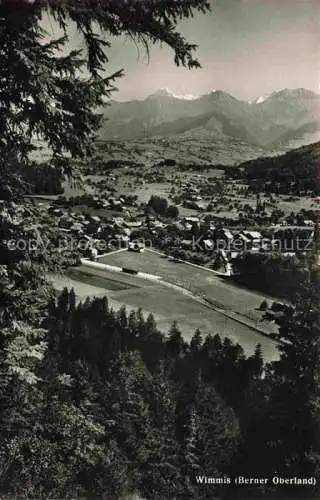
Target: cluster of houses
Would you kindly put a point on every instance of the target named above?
(213, 235)
(190, 233)
(122, 220)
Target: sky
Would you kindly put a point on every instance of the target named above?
(248, 48)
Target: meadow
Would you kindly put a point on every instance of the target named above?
(166, 305)
(202, 282)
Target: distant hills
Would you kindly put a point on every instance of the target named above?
(277, 122)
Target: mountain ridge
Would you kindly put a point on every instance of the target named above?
(273, 122)
(166, 92)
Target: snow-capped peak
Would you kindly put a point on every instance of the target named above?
(286, 93)
(260, 99)
(187, 97)
(164, 92)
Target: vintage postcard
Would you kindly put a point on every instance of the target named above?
(159, 270)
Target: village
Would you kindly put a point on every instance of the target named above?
(205, 219)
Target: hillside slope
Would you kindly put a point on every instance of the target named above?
(296, 172)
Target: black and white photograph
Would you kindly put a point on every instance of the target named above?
(159, 249)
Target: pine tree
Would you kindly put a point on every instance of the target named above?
(52, 438)
(161, 476)
(296, 388)
(44, 92)
(196, 341)
(282, 433)
(256, 362)
(175, 344)
(122, 317)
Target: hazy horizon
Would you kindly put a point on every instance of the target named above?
(247, 48)
(188, 96)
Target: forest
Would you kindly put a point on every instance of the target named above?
(101, 405)
(294, 173)
(275, 274)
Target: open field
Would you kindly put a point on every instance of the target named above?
(202, 149)
(144, 194)
(106, 279)
(200, 281)
(302, 203)
(166, 304)
(86, 276)
(129, 184)
(127, 180)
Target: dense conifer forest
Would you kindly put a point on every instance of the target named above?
(100, 404)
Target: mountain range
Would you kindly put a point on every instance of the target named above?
(277, 121)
